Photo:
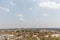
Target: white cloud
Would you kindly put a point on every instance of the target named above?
(20, 15)
(45, 14)
(30, 8)
(49, 4)
(5, 9)
(12, 3)
(34, 0)
(22, 19)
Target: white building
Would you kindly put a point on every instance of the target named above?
(55, 35)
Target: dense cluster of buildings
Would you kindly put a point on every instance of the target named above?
(18, 34)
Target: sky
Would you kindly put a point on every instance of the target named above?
(29, 13)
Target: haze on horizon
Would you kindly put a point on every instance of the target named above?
(29, 13)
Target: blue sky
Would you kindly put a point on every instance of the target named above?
(29, 13)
